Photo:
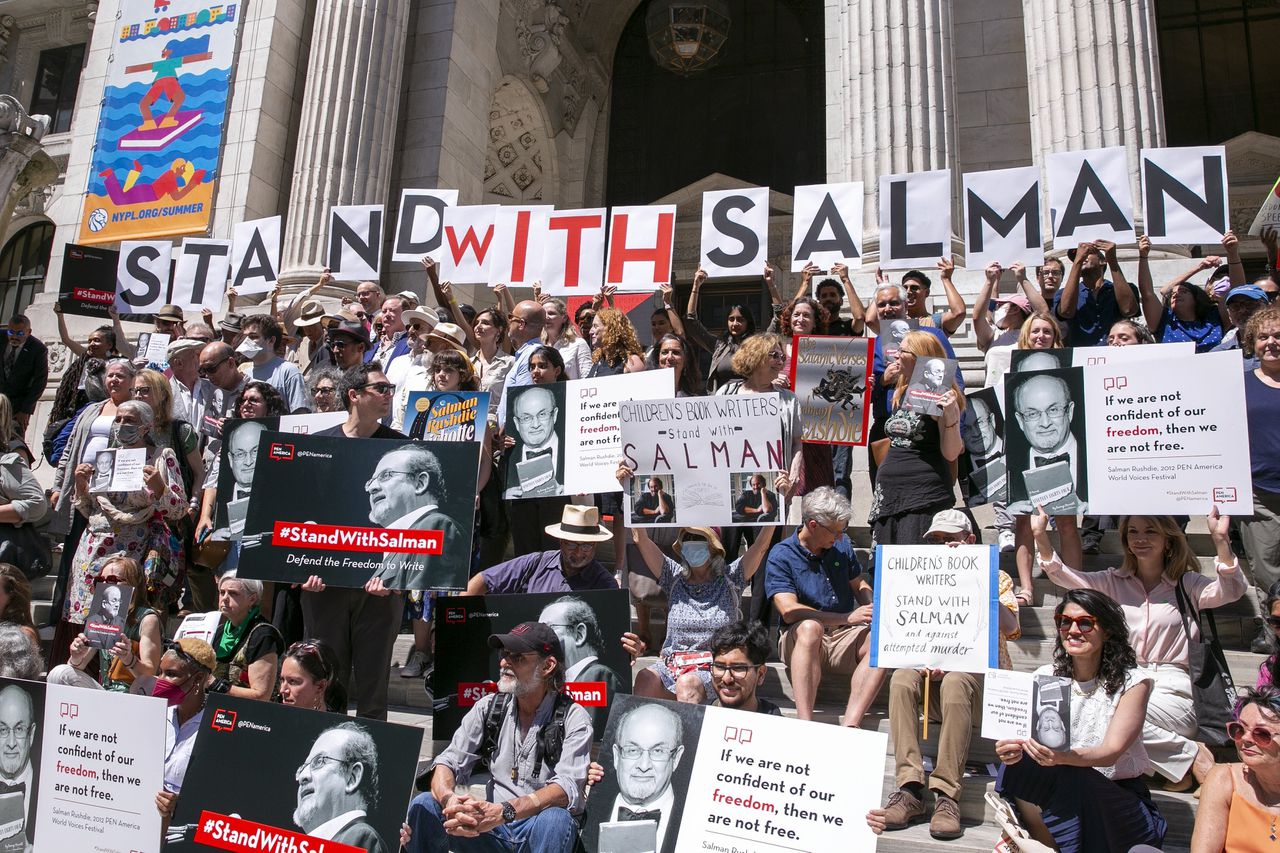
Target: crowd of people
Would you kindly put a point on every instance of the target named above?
(1121, 634)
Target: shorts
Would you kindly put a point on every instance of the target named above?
(839, 646)
(669, 676)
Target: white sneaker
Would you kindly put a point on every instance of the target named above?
(414, 666)
(1006, 540)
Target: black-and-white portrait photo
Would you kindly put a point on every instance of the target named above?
(107, 613)
(931, 378)
(576, 624)
(103, 464)
(894, 333)
(535, 419)
(21, 711)
(238, 461)
(1051, 712)
(648, 756)
(982, 426)
(755, 499)
(1032, 360)
(1045, 448)
(324, 775)
(407, 491)
(989, 483)
(653, 499)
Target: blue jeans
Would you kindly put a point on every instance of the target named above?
(552, 830)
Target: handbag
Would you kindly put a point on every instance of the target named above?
(162, 566)
(1213, 693)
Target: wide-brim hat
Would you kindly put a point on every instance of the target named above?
(429, 318)
(312, 313)
(713, 539)
(450, 334)
(171, 313)
(346, 323)
(579, 524)
(233, 323)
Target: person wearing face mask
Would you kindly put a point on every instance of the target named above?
(132, 523)
(262, 335)
(184, 682)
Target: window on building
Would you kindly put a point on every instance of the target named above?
(23, 264)
(57, 81)
(1215, 69)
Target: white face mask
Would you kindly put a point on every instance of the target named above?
(1002, 313)
(695, 553)
(249, 348)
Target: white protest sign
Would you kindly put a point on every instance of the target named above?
(1090, 356)
(1168, 438)
(519, 239)
(142, 276)
(1022, 705)
(915, 219)
(699, 449)
(1002, 218)
(468, 243)
(126, 472)
(641, 243)
(355, 241)
(255, 255)
(200, 626)
(573, 262)
(1268, 214)
(937, 607)
(827, 226)
(593, 436)
(1184, 194)
(420, 224)
(200, 275)
(764, 784)
(101, 775)
(735, 232)
(1089, 196)
(154, 346)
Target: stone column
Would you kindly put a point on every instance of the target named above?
(346, 138)
(890, 94)
(1094, 77)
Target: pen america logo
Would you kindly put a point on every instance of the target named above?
(281, 452)
(223, 720)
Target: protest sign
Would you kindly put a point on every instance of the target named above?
(936, 606)
(641, 243)
(88, 286)
(590, 624)
(573, 262)
(892, 333)
(1089, 196)
(200, 274)
(700, 442)
(350, 509)
(255, 255)
(930, 380)
(735, 232)
(536, 463)
(827, 226)
(1268, 214)
(1024, 705)
(982, 426)
(142, 276)
(107, 614)
(1045, 447)
(519, 239)
(118, 470)
(1090, 356)
(829, 375)
(1002, 217)
(420, 224)
(915, 219)
(199, 626)
(286, 796)
(447, 415)
(355, 241)
(96, 789)
(468, 242)
(753, 783)
(154, 347)
(1184, 194)
(239, 458)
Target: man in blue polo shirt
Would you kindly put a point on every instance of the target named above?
(816, 585)
(1088, 303)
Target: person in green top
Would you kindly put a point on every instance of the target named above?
(248, 647)
(166, 84)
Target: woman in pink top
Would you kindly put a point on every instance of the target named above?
(1156, 559)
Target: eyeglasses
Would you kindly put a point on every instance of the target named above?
(172, 646)
(513, 657)
(1083, 624)
(778, 355)
(242, 456)
(20, 731)
(338, 343)
(315, 764)
(514, 319)
(205, 371)
(322, 390)
(379, 387)
(659, 753)
(739, 670)
(535, 418)
(142, 392)
(1050, 273)
(1274, 621)
(836, 533)
(1262, 737)
(381, 477)
(570, 545)
(1053, 413)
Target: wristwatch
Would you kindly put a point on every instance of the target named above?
(508, 812)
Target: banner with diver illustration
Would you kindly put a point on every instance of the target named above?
(164, 111)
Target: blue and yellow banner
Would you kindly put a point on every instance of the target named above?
(157, 153)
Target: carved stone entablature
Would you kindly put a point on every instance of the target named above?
(540, 32)
(584, 79)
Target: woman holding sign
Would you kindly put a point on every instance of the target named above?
(1090, 797)
(1158, 563)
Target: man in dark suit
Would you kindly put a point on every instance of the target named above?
(576, 625)
(24, 369)
(405, 493)
(338, 786)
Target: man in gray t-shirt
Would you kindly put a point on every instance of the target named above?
(262, 335)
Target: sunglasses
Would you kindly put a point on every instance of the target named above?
(1083, 624)
(1274, 622)
(379, 387)
(1262, 737)
(172, 646)
(206, 372)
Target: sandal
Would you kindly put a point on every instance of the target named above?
(1024, 596)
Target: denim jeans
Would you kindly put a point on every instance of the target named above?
(552, 830)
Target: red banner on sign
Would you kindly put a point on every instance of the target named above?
(326, 537)
(245, 836)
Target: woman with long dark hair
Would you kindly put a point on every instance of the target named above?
(672, 351)
(1182, 311)
(309, 678)
(740, 324)
(1090, 796)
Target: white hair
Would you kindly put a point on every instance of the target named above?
(826, 506)
(251, 586)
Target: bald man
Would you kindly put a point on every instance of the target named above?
(17, 733)
(524, 328)
(646, 752)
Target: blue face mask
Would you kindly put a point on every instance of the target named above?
(695, 553)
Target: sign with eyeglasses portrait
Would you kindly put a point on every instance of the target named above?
(351, 509)
(589, 623)
(334, 782)
(1045, 453)
(701, 777)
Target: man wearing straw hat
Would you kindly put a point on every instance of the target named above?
(308, 351)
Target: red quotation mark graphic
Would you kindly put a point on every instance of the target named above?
(68, 710)
(1115, 383)
(733, 734)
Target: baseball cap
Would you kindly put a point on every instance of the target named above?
(1018, 300)
(1248, 291)
(949, 521)
(529, 637)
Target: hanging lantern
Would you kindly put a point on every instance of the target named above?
(687, 36)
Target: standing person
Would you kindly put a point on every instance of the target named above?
(559, 333)
(740, 324)
(1241, 802)
(831, 292)
(1157, 562)
(22, 501)
(308, 352)
(997, 336)
(524, 329)
(24, 370)
(218, 366)
(915, 289)
(672, 351)
(803, 316)
(99, 345)
(915, 478)
(359, 624)
(1088, 302)
(1261, 531)
(392, 345)
(492, 362)
(615, 347)
(184, 380)
(347, 340)
(262, 337)
(1090, 797)
(1181, 311)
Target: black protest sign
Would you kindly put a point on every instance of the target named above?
(350, 509)
(590, 625)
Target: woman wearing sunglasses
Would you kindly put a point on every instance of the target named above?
(1089, 797)
(1240, 803)
(1157, 561)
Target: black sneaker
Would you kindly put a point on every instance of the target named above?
(1264, 642)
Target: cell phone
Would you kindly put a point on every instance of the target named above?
(203, 536)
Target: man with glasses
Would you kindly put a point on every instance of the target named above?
(1043, 409)
(366, 394)
(168, 321)
(576, 625)
(24, 370)
(647, 748)
(347, 340)
(393, 342)
(17, 733)
(405, 493)
(573, 567)
(537, 466)
(534, 789)
(738, 654)
(1049, 276)
(816, 585)
(338, 786)
(217, 365)
(524, 328)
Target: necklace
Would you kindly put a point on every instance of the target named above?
(1080, 691)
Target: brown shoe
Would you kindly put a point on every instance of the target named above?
(945, 823)
(902, 810)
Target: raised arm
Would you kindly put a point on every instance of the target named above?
(1124, 293)
(1071, 284)
(856, 309)
(64, 334)
(956, 310)
(698, 335)
(775, 299)
(673, 316)
(294, 309)
(1152, 307)
(1235, 266)
(1029, 288)
(756, 554)
(459, 319)
(982, 329)
(124, 346)
(806, 279)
